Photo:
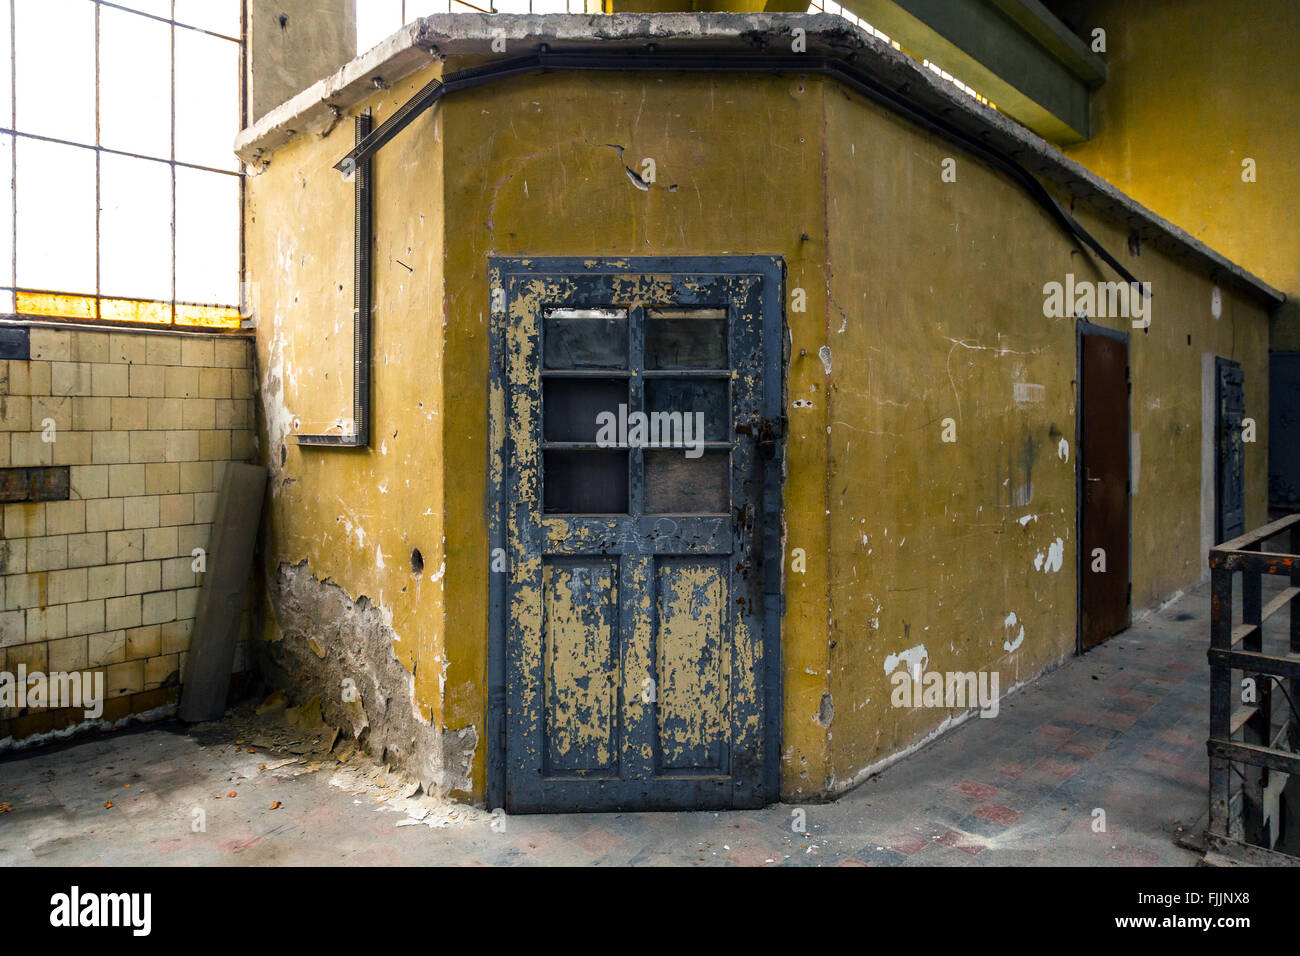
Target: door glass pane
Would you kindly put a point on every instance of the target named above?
(685, 403)
(676, 484)
(584, 338)
(686, 338)
(584, 482)
(570, 407)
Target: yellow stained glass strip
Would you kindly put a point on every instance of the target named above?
(135, 310)
(208, 316)
(55, 304)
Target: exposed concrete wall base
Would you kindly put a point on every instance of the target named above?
(329, 645)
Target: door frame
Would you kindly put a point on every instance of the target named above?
(1220, 361)
(1084, 327)
(775, 346)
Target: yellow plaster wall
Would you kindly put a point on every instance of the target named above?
(929, 296)
(356, 515)
(530, 170)
(936, 293)
(1193, 89)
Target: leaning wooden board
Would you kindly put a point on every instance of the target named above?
(229, 564)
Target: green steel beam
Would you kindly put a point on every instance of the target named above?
(1015, 52)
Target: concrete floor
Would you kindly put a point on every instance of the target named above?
(1121, 729)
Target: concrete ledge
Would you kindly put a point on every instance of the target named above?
(425, 41)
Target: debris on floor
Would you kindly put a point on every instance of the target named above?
(290, 741)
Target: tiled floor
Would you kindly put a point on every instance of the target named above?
(1120, 730)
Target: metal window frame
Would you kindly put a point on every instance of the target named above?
(172, 163)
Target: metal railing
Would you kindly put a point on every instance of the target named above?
(1245, 727)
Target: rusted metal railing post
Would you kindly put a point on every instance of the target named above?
(1220, 693)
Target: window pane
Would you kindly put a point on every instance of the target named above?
(135, 228)
(56, 217)
(219, 16)
(56, 68)
(510, 6)
(207, 99)
(584, 482)
(584, 338)
(570, 406)
(7, 215)
(207, 237)
(135, 103)
(707, 402)
(377, 19)
(425, 8)
(686, 338)
(6, 69)
(159, 8)
(675, 484)
(550, 6)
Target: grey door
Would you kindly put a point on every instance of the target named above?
(635, 664)
(1230, 479)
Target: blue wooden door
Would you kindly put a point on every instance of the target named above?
(633, 487)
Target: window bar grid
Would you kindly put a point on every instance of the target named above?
(12, 185)
(172, 33)
(13, 287)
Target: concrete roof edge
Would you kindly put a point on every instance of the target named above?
(423, 41)
(319, 107)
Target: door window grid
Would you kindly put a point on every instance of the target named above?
(121, 206)
(689, 346)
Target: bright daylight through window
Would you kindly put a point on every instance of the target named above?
(119, 190)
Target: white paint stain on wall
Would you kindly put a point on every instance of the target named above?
(1053, 560)
(914, 657)
(1010, 624)
(1063, 450)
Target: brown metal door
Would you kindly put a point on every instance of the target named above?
(1104, 498)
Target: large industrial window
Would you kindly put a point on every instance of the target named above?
(377, 19)
(119, 189)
